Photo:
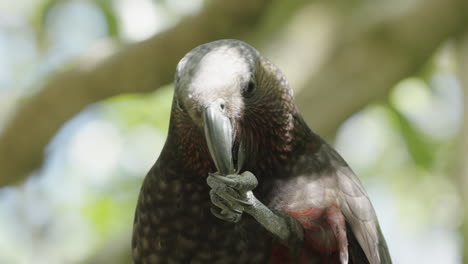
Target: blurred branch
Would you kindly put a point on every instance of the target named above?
(462, 166)
(365, 65)
(141, 67)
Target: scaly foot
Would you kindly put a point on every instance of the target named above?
(230, 193)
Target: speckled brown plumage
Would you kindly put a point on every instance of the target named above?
(173, 223)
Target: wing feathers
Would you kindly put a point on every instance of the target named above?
(360, 214)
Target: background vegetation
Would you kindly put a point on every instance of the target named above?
(85, 90)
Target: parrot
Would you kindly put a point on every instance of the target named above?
(242, 178)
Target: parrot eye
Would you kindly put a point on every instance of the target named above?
(249, 89)
(180, 105)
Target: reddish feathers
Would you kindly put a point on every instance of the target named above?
(324, 236)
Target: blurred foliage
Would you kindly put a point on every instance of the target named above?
(131, 110)
(419, 146)
(106, 214)
(401, 146)
(44, 8)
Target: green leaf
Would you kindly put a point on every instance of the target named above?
(421, 149)
(130, 110)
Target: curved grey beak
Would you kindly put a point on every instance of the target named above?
(219, 137)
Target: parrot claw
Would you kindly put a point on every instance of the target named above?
(243, 182)
(243, 202)
(225, 216)
(229, 193)
(223, 179)
(224, 204)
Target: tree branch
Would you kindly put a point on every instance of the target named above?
(364, 66)
(141, 67)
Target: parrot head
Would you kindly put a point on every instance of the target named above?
(236, 97)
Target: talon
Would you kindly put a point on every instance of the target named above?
(229, 193)
(230, 197)
(244, 182)
(221, 203)
(212, 182)
(235, 210)
(225, 180)
(218, 215)
(243, 202)
(225, 217)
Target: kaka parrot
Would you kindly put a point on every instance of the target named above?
(242, 178)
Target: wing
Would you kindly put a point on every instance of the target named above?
(358, 211)
(323, 179)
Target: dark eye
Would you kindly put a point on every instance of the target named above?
(180, 105)
(249, 89)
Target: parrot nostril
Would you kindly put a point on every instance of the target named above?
(222, 106)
